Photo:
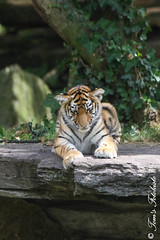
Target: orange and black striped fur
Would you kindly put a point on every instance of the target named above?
(85, 125)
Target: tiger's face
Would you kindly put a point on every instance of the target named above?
(81, 106)
(81, 113)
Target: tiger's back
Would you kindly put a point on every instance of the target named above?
(85, 125)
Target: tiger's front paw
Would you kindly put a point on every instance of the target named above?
(105, 152)
(68, 161)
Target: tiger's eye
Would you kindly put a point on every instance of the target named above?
(73, 108)
(89, 106)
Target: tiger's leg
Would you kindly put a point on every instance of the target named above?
(67, 151)
(107, 148)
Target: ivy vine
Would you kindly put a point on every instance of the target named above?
(130, 74)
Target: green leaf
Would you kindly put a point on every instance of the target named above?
(136, 28)
(139, 54)
(102, 3)
(122, 106)
(150, 53)
(107, 26)
(102, 23)
(127, 76)
(114, 54)
(91, 46)
(143, 37)
(109, 91)
(115, 5)
(100, 75)
(138, 104)
(157, 78)
(109, 76)
(94, 81)
(130, 64)
(111, 56)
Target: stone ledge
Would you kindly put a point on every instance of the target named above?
(32, 171)
(100, 199)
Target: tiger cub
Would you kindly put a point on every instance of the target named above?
(85, 125)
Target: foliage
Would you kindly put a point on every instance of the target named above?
(2, 131)
(145, 134)
(46, 132)
(116, 36)
(27, 132)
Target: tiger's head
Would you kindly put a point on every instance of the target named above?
(81, 106)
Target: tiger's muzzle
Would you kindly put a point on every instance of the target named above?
(83, 119)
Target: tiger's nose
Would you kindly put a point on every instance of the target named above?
(83, 118)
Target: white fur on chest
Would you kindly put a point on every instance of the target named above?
(87, 145)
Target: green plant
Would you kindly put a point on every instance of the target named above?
(2, 131)
(129, 71)
(145, 134)
(29, 132)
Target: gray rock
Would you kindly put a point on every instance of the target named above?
(21, 96)
(33, 166)
(98, 199)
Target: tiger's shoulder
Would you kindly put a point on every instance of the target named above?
(110, 118)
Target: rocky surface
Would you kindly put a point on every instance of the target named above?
(33, 171)
(98, 199)
(21, 97)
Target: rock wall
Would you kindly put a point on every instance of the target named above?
(100, 199)
(23, 220)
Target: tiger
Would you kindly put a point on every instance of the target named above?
(85, 125)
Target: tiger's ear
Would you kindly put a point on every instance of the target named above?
(98, 93)
(62, 98)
